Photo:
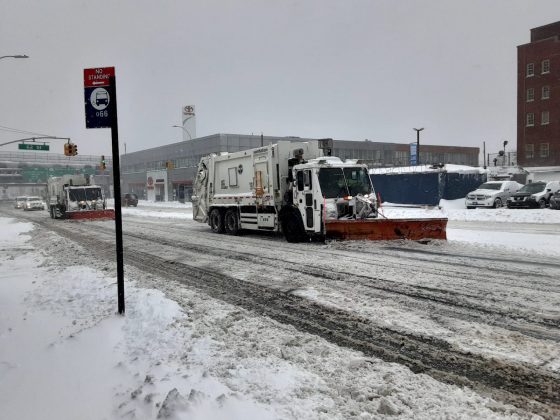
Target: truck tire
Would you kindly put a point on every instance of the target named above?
(231, 222)
(216, 221)
(292, 227)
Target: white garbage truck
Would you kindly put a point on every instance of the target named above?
(299, 189)
(73, 197)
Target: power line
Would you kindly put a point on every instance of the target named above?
(18, 131)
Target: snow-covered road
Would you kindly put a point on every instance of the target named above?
(471, 311)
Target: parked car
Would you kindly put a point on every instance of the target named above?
(554, 201)
(20, 201)
(130, 200)
(33, 203)
(492, 194)
(534, 195)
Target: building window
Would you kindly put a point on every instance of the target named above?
(530, 119)
(545, 92)
(545, 118)
(530, 69)
(530, 95)
(544, 150)
(529, 151)
(545, 66)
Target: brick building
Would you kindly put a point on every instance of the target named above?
(538, 98)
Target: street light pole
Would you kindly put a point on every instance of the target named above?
(418, 144)
(14, 56)
(184, 129)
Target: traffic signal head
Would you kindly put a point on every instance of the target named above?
(67, 149)
(74, 149)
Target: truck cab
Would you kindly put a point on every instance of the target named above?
(327, 188)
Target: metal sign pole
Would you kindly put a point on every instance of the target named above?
(117, 194)
(100, 100)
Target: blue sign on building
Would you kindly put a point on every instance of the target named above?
(413, 154)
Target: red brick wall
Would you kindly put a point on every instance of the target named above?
(546, 31)
(536, 53)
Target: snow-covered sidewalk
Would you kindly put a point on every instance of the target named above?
(66, 354)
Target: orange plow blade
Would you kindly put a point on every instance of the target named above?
(386, 229)
(91, 215)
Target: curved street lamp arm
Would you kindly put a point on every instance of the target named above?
(184, 129)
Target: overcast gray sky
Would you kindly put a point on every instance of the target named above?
(343, 69)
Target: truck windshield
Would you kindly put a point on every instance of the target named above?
(77, 194)
(340, 182)
(93, 193)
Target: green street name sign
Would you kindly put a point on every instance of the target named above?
(29, 146)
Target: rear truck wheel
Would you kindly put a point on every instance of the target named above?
(216, 221)
(542, 203)
(231, 222)
(292, 227)
(498, 203)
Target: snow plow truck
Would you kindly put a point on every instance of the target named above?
(300, 190)
(72, 197)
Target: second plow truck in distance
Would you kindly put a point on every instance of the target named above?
(300, 190)
(72, 197)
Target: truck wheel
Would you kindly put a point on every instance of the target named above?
(216, 221)
(231, 222)
(292, 226)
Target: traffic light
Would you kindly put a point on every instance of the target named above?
(74, 149)
(67, 149)
(103, 163)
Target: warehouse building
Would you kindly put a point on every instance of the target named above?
(166, 173)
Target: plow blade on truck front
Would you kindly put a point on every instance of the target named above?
(108, 214)
(386, 229)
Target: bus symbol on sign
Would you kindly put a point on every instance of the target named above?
(99, 99)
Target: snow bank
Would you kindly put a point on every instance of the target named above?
(455, 210)
(457, 169)
(65, 354)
